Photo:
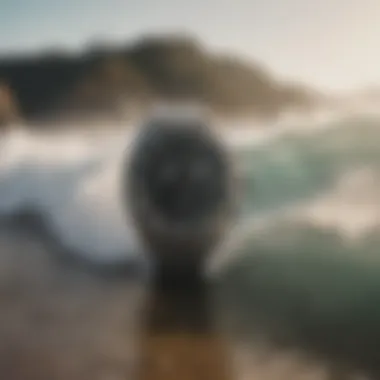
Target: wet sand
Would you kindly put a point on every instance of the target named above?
(60, 320)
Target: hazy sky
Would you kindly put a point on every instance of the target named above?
(330, 43)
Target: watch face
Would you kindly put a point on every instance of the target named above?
(182, 171)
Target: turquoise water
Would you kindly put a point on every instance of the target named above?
(297, 281)
(296, 167)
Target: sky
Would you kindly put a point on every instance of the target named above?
(331, 44)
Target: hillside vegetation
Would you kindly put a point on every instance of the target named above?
(112, 82)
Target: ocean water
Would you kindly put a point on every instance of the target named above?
(297, 277)
(303, 282)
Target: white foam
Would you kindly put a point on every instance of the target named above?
(74, 182)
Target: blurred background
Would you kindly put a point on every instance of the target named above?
(294, 88)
